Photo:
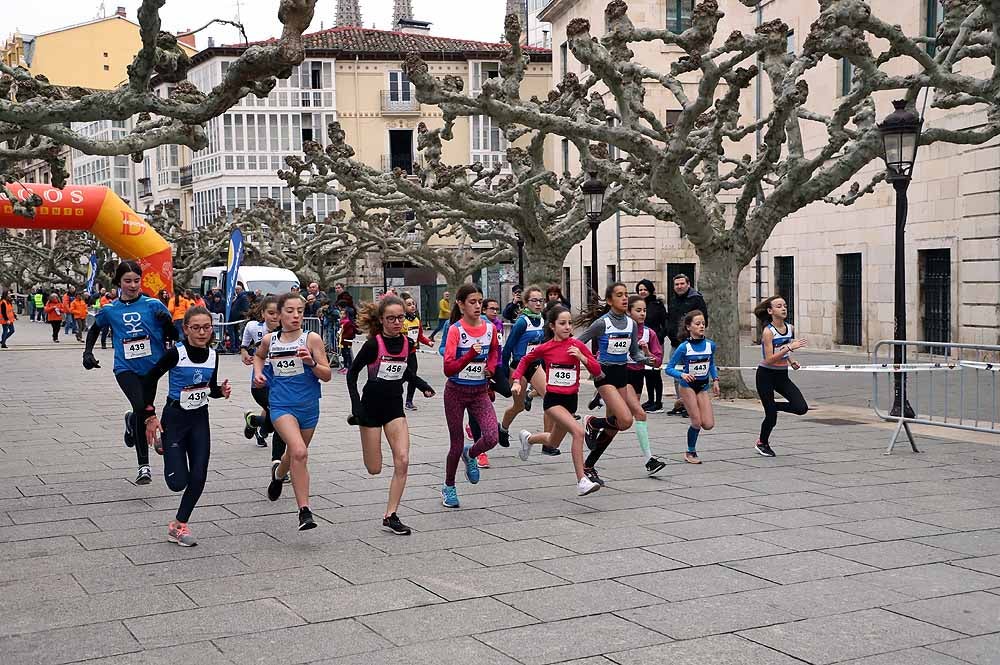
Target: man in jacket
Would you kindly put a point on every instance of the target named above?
(685, 300)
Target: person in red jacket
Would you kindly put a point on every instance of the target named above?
(8, 315)
(562, 356)
(54, 315)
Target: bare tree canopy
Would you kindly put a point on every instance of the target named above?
(696, 172)
(37, 118)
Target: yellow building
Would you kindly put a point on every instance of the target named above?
(94, 54)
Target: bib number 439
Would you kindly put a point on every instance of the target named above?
(138, 347)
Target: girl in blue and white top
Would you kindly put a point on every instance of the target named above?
(777, 342)
(266, 321)
(186, 441)
(298, 363)
(693, 366)
(527, 332)
(618, 345)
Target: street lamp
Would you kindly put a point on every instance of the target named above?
(900, 133)
(593, 201)
(520, 259)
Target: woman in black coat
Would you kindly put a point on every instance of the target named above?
(656, 321)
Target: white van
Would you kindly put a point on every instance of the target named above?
(268, 280)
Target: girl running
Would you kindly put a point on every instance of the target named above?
(8, 315)
(266, 315)
(389, 361)
(186, 440)
(562, 356)
(693, 367)
(650, 345)
(527, 333)
(471, 356)
(777, 343)
(298, 363)
(413, 331)
(140, 326)
(617, 342)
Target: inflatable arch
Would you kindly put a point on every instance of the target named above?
(101, 212)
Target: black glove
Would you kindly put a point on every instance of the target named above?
(89, 361)
(167, 324)
(352, 419)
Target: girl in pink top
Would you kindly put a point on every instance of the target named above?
(562, 356)
(650, 345)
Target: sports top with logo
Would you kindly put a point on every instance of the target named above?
(388, 366)
(697, 358)
(292, 381)
(474, 373)
(138, 335)
(190, 380)
(778, 340)
(526, 334)
(253, 333)
(562, 374)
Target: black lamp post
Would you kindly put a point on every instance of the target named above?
(520, 259)
(900, 138)
(593, 199)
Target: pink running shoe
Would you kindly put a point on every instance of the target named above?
(483, 460)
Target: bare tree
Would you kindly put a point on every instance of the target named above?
(28, 259)
(193, 250)
(36, 117)
(694, 173)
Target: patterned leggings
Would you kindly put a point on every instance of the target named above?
(476, 400)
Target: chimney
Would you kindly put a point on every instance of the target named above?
(412, 26)
(211, 42)
(188, 40)
(120, 11)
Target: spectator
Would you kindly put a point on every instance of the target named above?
(338, 288)
(241, 304)
(312, 306)
(178, 307)
(513, 308)
(444, 313)
(39, 300)
(7, 318)
(30, 302)
(348, 331)
(53, 312)
(69, 324)
(164, 297)
(553, 297)
(656, 321)
(78, 311)
(199, 301)
(317, 294)
(685, 300)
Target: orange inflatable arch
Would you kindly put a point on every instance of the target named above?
(101, 212)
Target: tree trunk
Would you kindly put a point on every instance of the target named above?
(543, 263)
(718, 282)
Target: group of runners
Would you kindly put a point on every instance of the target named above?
(539, 356)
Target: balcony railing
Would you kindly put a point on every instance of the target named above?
(399, 103)
(186, 176)
(145, 188)
(390, 162)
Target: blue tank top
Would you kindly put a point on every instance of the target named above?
(613, 346)
(696, 358)
(189, 380)
(779, 339)
(138, 336)
(533, 335)
(292, 382)
(474, 373)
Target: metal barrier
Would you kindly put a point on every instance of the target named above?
(229, 335)
(941, 384)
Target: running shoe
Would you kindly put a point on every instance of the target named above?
(144, 477)
(656, 407)
(595, 403)
(676, 411)
(504, 438)
(471, 466)
(529, 397)
(178, 532)
(483, 461)
(654, 466)
(306, 520)
(551, 451)
(129, 442)
(409, 407)
(468, 433)
(764, 449)
(683, 413)
(646, 406)
(525, 445)
(274, 487)
(586, 486)
(392, 523)
(261, 438)
(691, 457)
(449, 497)
(248, 427)
(591, 474)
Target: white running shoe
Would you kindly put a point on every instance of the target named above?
(586, 486)
(525, 446)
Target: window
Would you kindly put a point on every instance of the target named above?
(316, 79)
(846, 71)
(935, 297)
(679, 15)
(483, 71)
(587, 289)
(567, 281)
(672, 117)
(849, 301)
(400, 89)
(563, 58)
(784, 268)
(565, 155)
(612, 274)
(790, 42)
(107, 68)
(935, 14)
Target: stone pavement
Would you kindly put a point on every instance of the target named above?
(830, 553)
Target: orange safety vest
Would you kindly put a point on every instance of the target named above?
(78, 309)
(177, 311)
(8, 314)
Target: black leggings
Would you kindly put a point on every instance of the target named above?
(131, 385)
(262, 397)
(654, 386)
(770, 381)
(56, 325)
(609, 427)
(411, 387)
(187, 444)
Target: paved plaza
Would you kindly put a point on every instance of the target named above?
(829, 553)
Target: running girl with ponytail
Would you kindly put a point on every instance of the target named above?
(414, 331)
(777, 343)
(618, 344)
(265, 320)
(183, 435)
(562, 356)
(528, 332)
(298, 363)
(471, 356)
(387, 357)
(693, 366)
(650, 346)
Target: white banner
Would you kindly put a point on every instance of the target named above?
(884, 368)
(986, 367)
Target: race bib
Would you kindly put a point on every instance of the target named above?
(194, 397)
(562, 376)
(287, 366)
(618, 346)
(391, 369)
(700, 369)
(474, 371)
(137, 347)
(413, 334)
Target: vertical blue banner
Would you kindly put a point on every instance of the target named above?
(91, 273)
(233, 267)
